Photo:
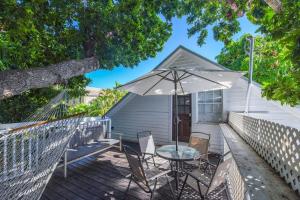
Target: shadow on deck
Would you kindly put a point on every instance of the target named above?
(103, 177)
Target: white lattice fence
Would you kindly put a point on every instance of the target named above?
(279, 145)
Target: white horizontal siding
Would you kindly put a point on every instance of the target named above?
(212, 129)
(144, 113)
(216, 142)
(234, 99)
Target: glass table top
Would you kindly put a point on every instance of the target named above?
(184, 153)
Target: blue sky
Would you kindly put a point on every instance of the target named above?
(107, 78)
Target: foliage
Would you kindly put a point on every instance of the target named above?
(270, 67)
(40, 33)
(283, 28)
(220, 15)
(100, 105)
(18, 108)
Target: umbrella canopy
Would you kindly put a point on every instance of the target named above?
(181, 81)
(186, 81)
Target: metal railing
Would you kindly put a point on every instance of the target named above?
(20, 152)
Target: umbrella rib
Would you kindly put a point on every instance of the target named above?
(206, 79)
(182, 75)
(140, 79)
(166, 77)
(181, 78)
(156, 83)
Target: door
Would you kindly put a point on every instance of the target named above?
(185, 119)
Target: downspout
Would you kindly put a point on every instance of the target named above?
(250, 53)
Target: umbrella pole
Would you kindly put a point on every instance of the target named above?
(176, 121)
(176, 110)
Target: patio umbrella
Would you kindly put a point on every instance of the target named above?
(181, 81)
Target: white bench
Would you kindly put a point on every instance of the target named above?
(92, 140)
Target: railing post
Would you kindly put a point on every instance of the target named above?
(109, 128)
(14, 155)
(65, 163)
(29, 154)
(22, 153)
(5, 158)
(120, 138)
(37, 151)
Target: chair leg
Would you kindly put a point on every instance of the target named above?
(153, 161)
(153, 191)
(145, 160)
(182, 187)
(171, 165)
(201, 196)
(127, 189)
(171, 188)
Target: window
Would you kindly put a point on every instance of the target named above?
(210, 106)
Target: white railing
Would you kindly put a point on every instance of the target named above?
(279, 145)
(19, 152)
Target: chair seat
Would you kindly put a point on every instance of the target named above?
(191, 182)
(154, 171)
(198, 174)
(159, 173)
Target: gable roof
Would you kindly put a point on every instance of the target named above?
(196, 56)
(181, 49)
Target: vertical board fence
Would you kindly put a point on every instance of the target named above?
(279, 145)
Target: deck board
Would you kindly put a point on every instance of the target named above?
(102, 176)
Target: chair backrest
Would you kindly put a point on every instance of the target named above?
(146, 142)
(200, 141)
(135, 165)
(220, 175)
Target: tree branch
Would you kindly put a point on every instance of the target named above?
(13, 82)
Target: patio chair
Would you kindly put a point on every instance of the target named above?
(145, 179)
(200, 141)
(147, 146)
(209, 186)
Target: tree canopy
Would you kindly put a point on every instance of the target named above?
(109, 33)
(281, 27)
(270, 67)
(99, 106)
(38, 34)
(41, 33)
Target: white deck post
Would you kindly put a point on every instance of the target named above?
(22, 154)
(65, 164)
(14, 155)
(109, 128)
(5, 158)
(120, 138)
(29, 154)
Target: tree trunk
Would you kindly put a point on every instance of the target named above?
(14, 82)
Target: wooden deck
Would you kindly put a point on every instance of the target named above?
(101, 177)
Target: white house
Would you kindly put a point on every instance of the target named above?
(198, 112)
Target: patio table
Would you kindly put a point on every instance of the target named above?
(184, 153)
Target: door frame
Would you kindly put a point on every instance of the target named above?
(172, 116)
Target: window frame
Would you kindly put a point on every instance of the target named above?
(206, 102)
